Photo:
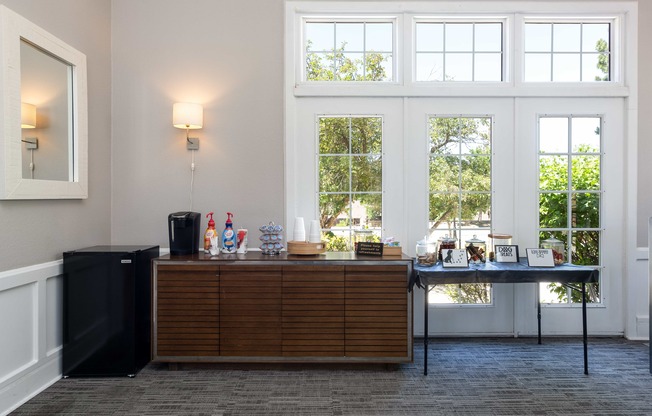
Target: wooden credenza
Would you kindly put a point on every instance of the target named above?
(337, 307)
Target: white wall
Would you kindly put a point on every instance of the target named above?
(226, 55)
(34, 232)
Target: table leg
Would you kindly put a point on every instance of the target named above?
(425, 330)
(538, 300)
(584, 336)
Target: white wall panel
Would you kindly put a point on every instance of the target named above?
(31, 331)
(18, 329)
(53, 314)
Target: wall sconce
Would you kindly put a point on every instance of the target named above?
(188, 116)
(27, 116)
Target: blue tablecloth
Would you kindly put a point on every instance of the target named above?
(492, 272)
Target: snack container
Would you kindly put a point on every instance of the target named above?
(426, 252)
(558, 250)
(476, 250)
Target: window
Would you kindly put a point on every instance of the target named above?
(350, 179)
(459, 51)
(567, 52)
(460, 191)
(349, 50)
(570, 194)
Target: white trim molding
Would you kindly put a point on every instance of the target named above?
(31, 309)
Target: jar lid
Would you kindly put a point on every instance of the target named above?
(363, 231)
(475, 240)
(499, 236)
(552, 240)
(447, 239)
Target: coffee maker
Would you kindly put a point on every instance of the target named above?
(183, 230)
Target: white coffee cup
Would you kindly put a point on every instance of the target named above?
(215, 249)
(299, 229)
(315, 232)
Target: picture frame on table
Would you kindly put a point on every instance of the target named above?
(453, 257)
(506, 253)
(540, 257)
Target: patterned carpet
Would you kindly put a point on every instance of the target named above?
(478, 376)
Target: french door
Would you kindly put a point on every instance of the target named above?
(460, 161)
(584, 136)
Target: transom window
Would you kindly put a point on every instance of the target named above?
(459, 51)
(567, 52)
(350, 180)
(349, 50)
(570, 194)
(460, 192)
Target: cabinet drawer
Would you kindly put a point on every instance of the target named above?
(187, 311)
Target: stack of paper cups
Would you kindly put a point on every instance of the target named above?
(315, 232)
(299, 230)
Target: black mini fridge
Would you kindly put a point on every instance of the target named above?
(107, 310)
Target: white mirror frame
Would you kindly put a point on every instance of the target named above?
(13, 28)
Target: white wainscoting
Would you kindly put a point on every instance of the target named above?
(31, 308)
(638, 315)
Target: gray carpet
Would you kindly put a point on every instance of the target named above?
(479, 376)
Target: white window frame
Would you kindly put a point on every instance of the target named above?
(506, 22)
(318, 192)
(616, 47)
(514, 14)
(347, 18)
(459, 193)
(569, 191)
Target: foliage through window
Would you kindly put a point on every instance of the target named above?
(349, 51)
(350, 180)
(567, 52)
(570, 192)
(459, 51)
(460, 192)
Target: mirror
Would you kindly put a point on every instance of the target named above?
(45, 86)
(43, 142)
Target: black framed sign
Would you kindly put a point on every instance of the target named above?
(370, 249)
(506, 253)
(453, 257)
(540, 257)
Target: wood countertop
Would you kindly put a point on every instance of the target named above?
(284, 257)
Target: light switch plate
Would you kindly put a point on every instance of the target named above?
(193, 143)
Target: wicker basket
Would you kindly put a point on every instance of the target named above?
(392, 251)
(303, 248)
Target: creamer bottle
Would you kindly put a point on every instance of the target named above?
(229, 238)
(210, 233)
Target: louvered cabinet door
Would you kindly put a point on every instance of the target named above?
(313, 311)
(187, 311)
(250, 310)
(376, 312)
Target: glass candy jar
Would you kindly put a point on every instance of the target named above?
(497, 239)
(426, 252)
(446, 243)
(557, 248)
(476, 250)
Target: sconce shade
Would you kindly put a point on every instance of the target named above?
(27, 116)
(187, 116)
